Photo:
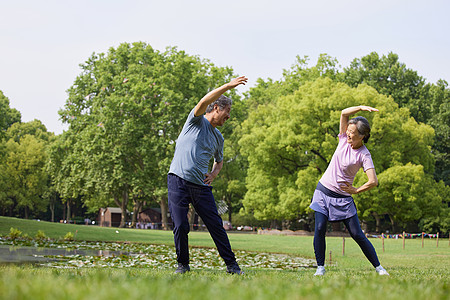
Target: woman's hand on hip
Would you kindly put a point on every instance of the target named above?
(348, 188)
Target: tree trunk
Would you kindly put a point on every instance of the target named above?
(392, 222)
(191, 217)
(26, 212)
(124, 204)
(364, 226)
(64, 212)
(52, 210)
(68, 211)
(11, 208)
(164, 211)
(274, 224)
(136, 210)
(230, 206)
(285, 224)
(116, 200)
(377, 222)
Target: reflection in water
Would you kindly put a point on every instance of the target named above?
(22, 254)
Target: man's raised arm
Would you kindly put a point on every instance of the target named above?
(212, 96)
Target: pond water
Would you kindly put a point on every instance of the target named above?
(34, 255)
(125, 255)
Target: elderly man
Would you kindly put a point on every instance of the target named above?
(189, 181)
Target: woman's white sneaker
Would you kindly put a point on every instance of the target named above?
(320, 271)
(381, 271)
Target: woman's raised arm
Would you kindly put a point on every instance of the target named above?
(346, 113)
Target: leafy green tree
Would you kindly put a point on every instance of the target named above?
(387, 75)
(406, 194)
(440, 222)
(265, 92)
(229, 186)
(25, 174)
(300, 72)
(35, 128)
(125, 111)
(23, 178)
(8, 115)
(439, 97)
(64, 167)
(6, 203)
(290, 141)
(428, 103)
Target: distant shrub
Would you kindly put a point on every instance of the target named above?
(40, 235)
(14, 233)
(69, 236)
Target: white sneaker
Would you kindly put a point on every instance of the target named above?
(320, 271)
(381, 271)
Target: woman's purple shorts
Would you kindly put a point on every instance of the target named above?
(333, 205)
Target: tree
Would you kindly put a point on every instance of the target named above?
(290, 142)
(388, 76)
(229, 186)
(6, 202)
(67, 178)
(23, 177)
(298, 74)
(8, 115)
(126, 109)
(428, 103)
(439, 97)
(405, 194)
(24, 170)
(35, 128)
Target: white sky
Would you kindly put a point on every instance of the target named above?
(43, 42)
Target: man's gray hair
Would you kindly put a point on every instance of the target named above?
(363, 127)
(222, 102)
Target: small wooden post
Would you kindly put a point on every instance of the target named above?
(423, 234)
(330, 258)
(437, 240)
(343, 246)
(382, 240)
(403, 240)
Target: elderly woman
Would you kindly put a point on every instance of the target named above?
(332, 199)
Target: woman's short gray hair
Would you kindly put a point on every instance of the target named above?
(363, 127)
(222, 102)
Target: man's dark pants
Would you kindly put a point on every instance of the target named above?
(181, 193)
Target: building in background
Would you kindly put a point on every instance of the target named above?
(109, 217)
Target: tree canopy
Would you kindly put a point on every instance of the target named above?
(127, 106)
(428, 103)
(125, 111)
(23, 178)
(8, 115)
(290, 142)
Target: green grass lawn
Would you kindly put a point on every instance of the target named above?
(416, 272)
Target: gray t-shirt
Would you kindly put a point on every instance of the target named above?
(196, 144)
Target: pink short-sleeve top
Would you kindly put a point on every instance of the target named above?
(344, 165)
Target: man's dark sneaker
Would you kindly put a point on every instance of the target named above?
(234, 269)
(181, 269)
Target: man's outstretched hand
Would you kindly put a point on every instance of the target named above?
(237, 81)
